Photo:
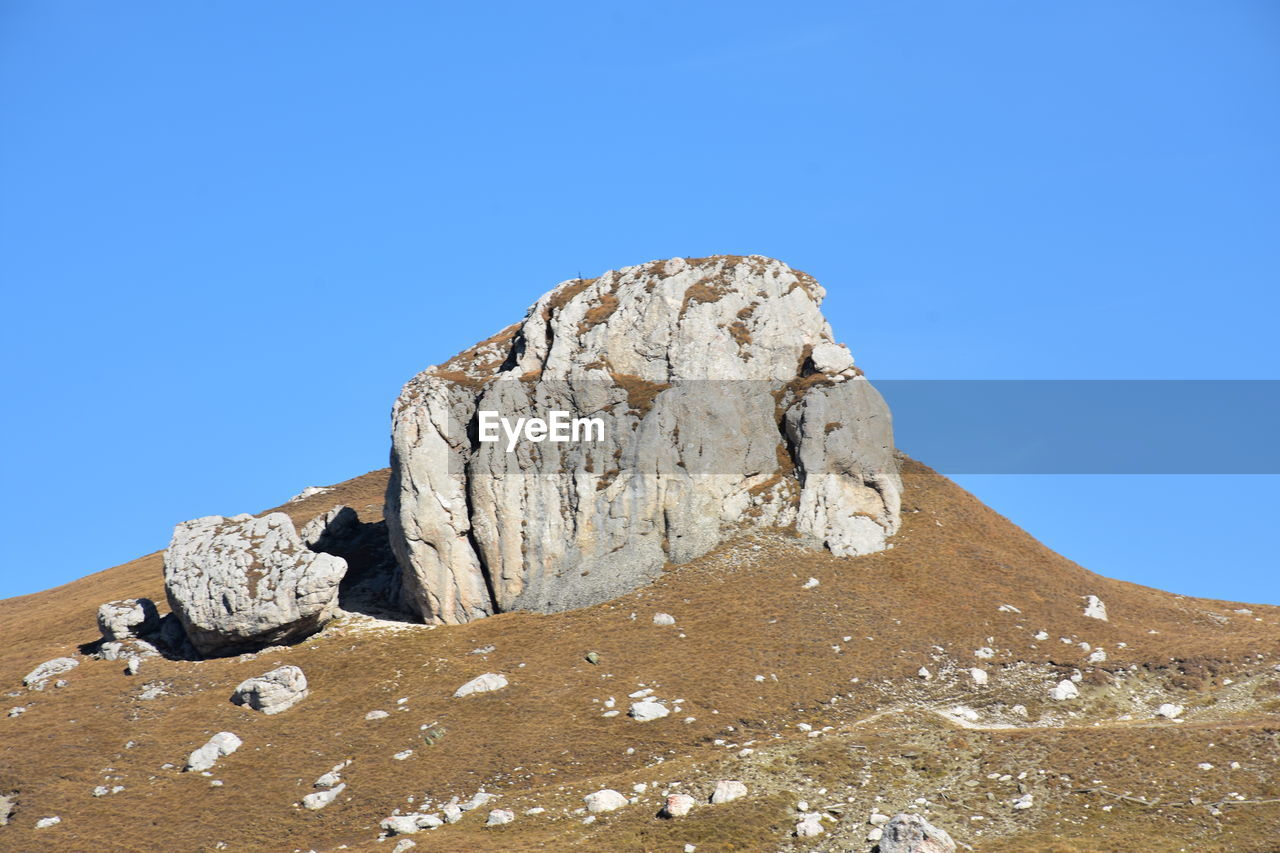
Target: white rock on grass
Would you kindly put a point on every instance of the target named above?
(223, 743)
(452, 812)
(498, 817)
(911, 833)
(38, 677)
(1098, 656)
(643, 712)
(605, 800)
(46, 822)
(376, 715)
(678, 805)
(810, 826)
(1170, 710)
(333, 777)
(320, 799)
(811, 583)
(1094, 608)
(1024, 802)
(979, 676)
(278, 690)
(126, 618)
(242, 582)
(1066, 689)
(404, 845)
(663, 619)
(728, 790)
(486, 683)
(408, 824)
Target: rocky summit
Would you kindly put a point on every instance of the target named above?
(734, 618)
(729, 406)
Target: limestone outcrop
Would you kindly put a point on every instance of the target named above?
(242, 582)
(725, 405)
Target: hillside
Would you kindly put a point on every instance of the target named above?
(803, 692)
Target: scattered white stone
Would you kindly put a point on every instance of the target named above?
(101, 791)
(979, 676)
(810, 826)
(1042, 635)
(536, 810)
(46, 822)
(452, 813)
(223, 743)
(38, 677)
(1098, 656)
(376, 715)
(404, 845)
(877, 819)
(986, 652)
(486, 683)
(924, 673)
(643, 712)
(811, 583)
(678, 805)
(606, 800)
(1094, 608)
(1024, 802)
(276, 691)
(320, 799)
(1065, 690)
(1204, 765)
(1170, 710)
(663, 619)
(728, 790)
(402, 754)
(1018, 710)
(410, 823)
(498, 817)
(17, 711)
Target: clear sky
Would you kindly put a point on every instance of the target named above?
(229, 231)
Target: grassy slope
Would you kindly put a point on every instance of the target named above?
(741, 612)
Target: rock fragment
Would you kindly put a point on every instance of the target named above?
(276, 691)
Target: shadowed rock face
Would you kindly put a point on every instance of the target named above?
(726, 405)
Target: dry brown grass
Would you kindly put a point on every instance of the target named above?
(543, 742)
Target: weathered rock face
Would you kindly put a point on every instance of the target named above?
(910, 833)
(725, 404)
(241, 582)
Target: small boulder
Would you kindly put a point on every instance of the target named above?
(678, 805)
(645, 711)
(810, 826)
(408, 824)
(1066, 689)
(46, 822)
(276, 691)
(663, 619)
(223, 743)
(498, 817)
(486, 683)
(910, 833)
(38, 677)
(979, 676)
(728, 790)
(606, 800)
(127, 618)
(315, 802)
(1170, 710)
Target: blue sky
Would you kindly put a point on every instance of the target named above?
(230, 231)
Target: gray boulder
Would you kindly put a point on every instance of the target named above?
(725, 404)
(278, 690)
(223, 743)
(242, 582)
(910, 833)
(128, 618)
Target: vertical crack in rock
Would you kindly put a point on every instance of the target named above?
(726, 406)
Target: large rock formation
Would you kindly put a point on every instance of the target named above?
(725, 405)
(242, 582)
